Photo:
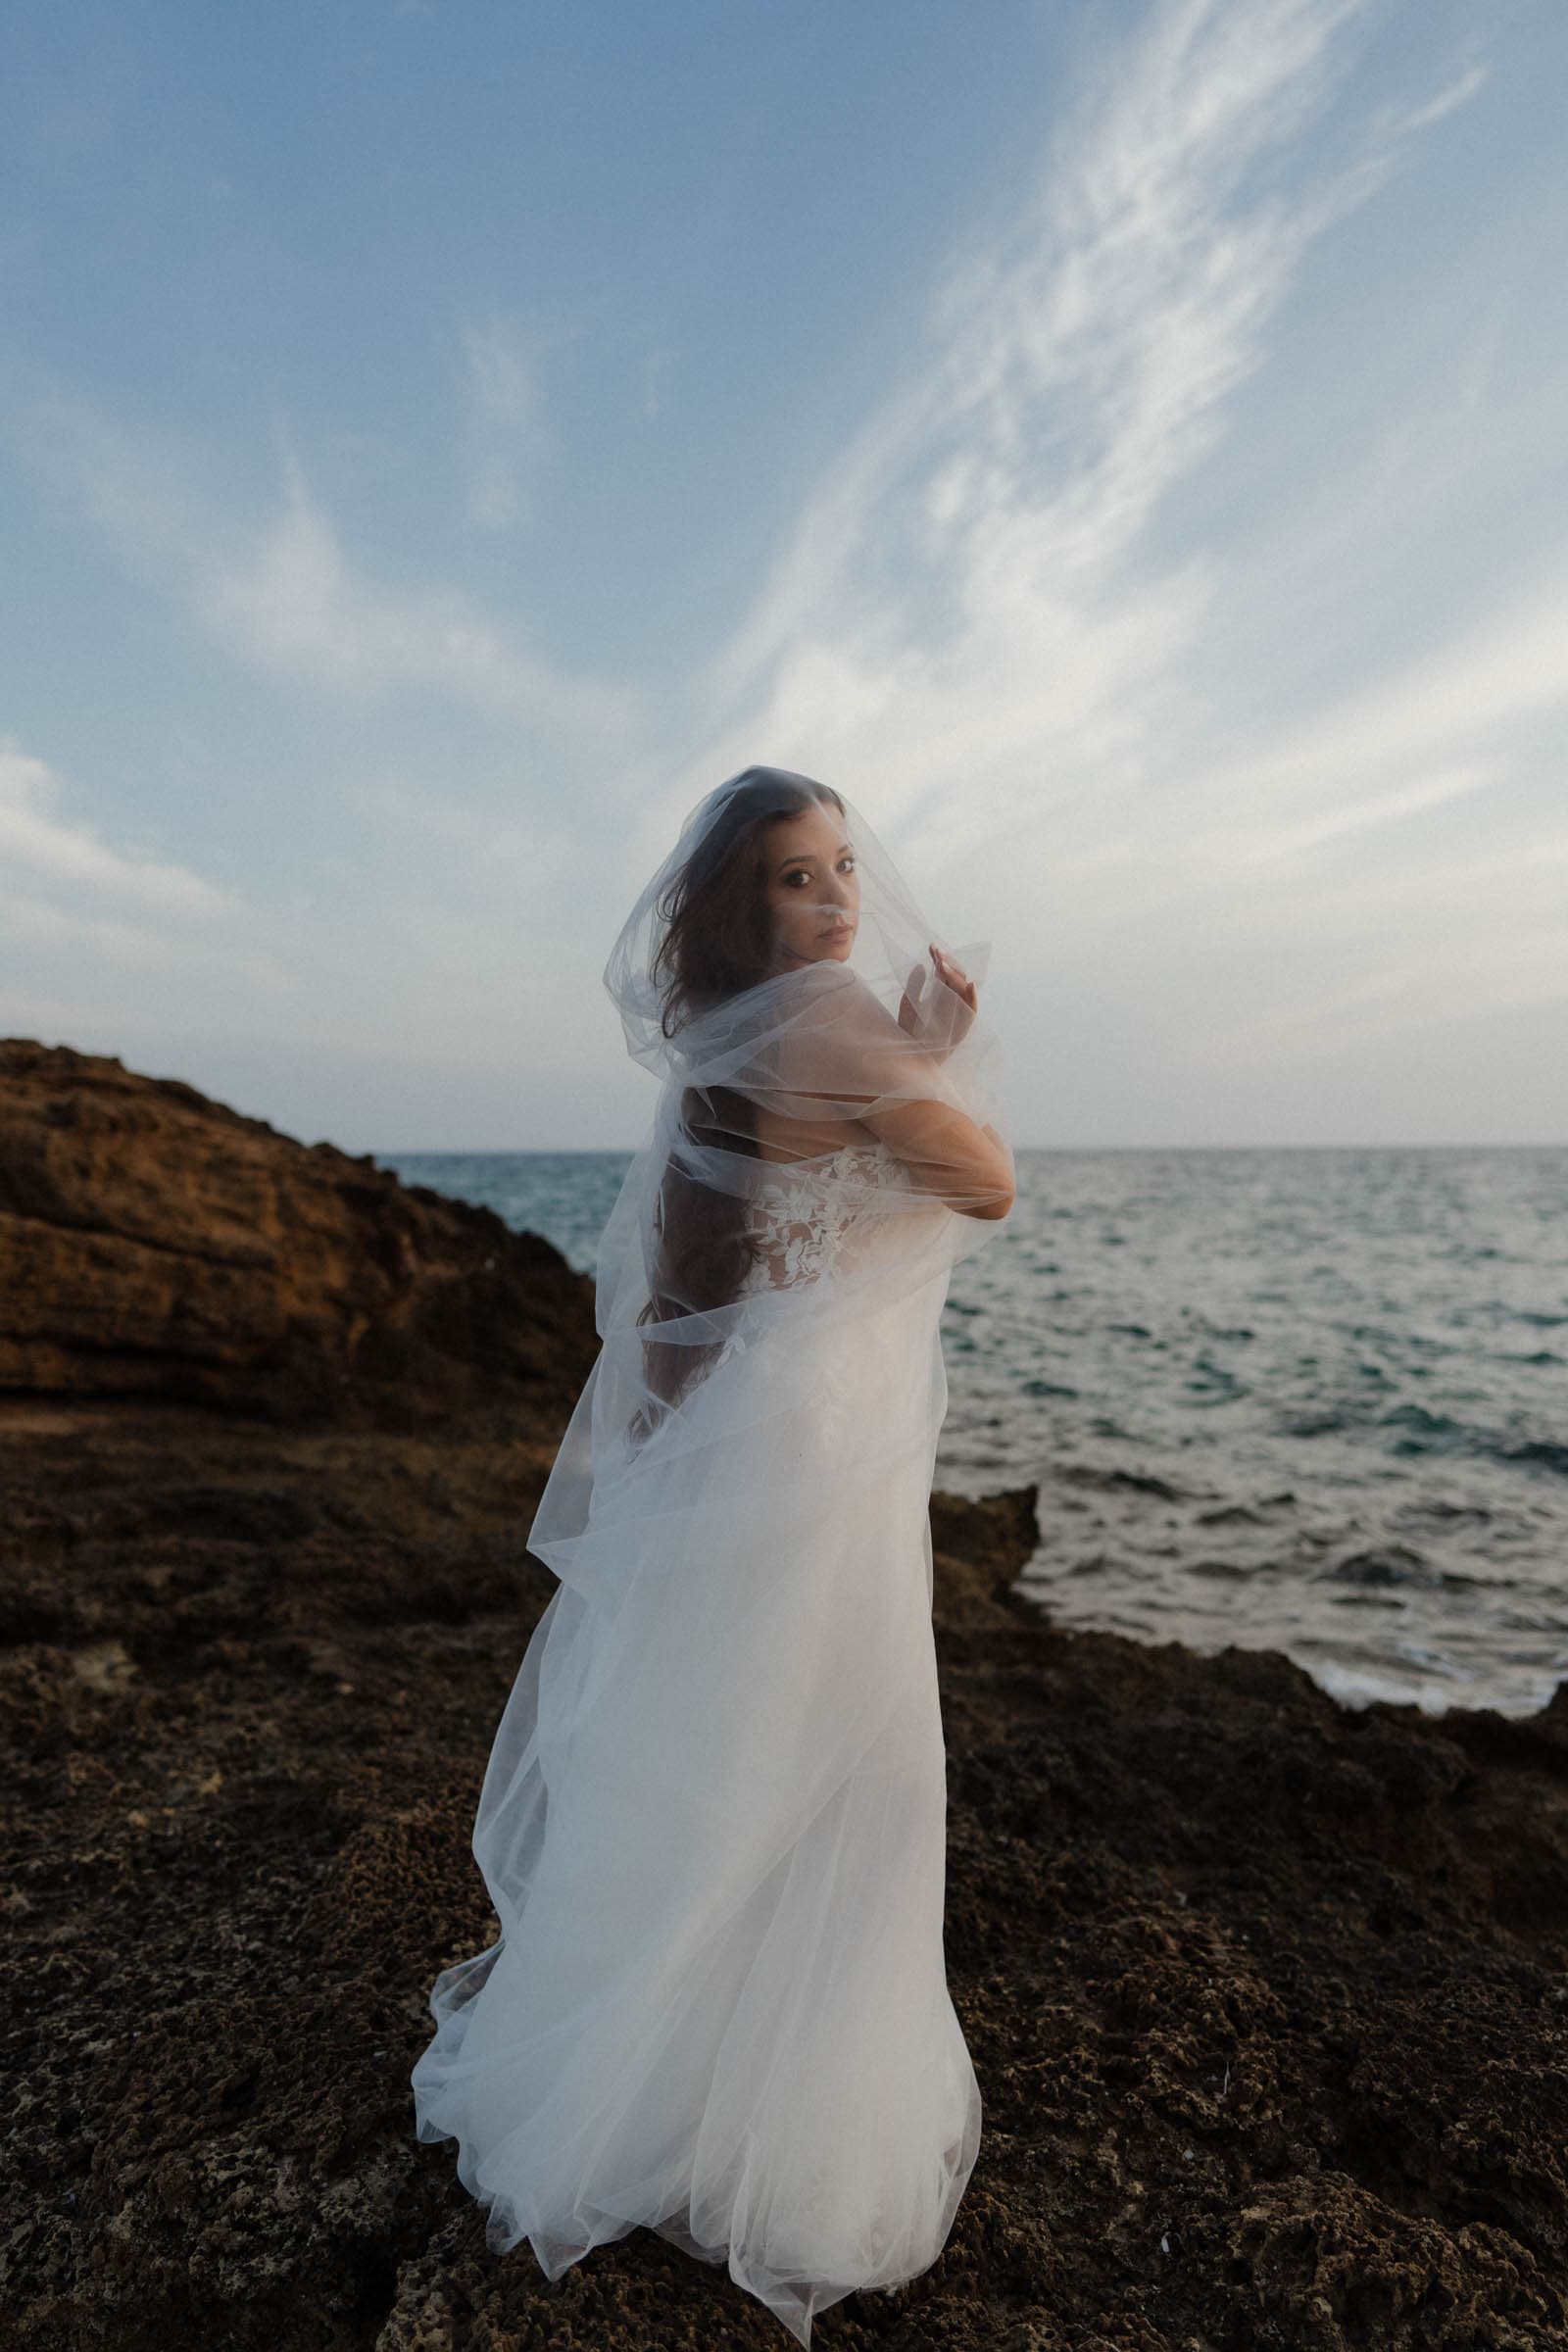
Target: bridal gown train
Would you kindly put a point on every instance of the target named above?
(713, 1824)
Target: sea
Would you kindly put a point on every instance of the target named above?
(1306, 1400)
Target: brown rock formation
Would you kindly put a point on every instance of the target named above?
(155, 1244)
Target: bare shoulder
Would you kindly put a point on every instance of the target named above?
(832, 995)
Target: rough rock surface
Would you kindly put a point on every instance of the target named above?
(155, 1244)
(1267, 1996)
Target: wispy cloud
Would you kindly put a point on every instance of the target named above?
(283, 594)
(963, 616)
(507, 436)
(39, 842)
(67, 891)
(293, 604)
(658, 366)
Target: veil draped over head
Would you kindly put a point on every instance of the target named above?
(813, 1148)
(711, 1823)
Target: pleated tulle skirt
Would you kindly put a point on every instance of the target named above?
(712, 1826)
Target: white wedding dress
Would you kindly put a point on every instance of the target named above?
(713, 1820)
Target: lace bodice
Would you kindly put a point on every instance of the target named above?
(802, 1227)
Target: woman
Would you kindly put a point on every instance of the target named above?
(713, 1824)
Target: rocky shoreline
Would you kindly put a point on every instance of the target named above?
(1267, 1996)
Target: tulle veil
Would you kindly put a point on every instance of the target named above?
(711, 1823)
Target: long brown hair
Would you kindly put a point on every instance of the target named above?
(718, 940)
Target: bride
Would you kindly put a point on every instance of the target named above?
(713, 1824)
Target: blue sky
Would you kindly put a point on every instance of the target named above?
(1121, 444)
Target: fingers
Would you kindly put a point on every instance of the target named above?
(955, 977)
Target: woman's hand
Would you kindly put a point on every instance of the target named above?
(943, 1018)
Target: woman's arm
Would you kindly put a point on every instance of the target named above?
(948, 1155)
(850, 1052)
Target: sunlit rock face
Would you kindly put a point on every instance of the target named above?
(154, 1243)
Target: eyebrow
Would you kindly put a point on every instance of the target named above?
(804, 856)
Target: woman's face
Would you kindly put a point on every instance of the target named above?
(812, 886)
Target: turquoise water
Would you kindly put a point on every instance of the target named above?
(1312, 1400)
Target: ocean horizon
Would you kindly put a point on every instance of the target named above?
(1303, 1398)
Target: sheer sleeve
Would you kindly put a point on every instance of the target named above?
(847, 1059)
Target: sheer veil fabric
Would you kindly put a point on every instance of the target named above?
(712, 1823)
